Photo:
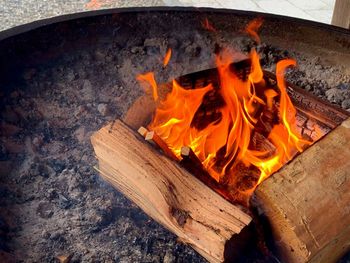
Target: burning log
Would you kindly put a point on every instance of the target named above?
(191, 162)
(154, 138)
(167, 192)
(307, 201)
(313, 119)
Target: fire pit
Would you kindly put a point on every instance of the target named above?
(64, 81)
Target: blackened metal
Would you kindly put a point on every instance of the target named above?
(112, 11)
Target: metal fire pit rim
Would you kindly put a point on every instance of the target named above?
(21, 29)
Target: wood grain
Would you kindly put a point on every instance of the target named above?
(167, 192)
(308, 201)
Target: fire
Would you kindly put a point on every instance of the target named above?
(225, 137)
(167, 57)
(148, 82)
(253, 27)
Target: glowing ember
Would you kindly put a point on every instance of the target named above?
(167, 57)
(225, 137)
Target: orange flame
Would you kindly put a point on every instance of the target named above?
(167, 57)
(225, 142)
(176, 126)
(148, 83)
(208, 26)
(253, 27)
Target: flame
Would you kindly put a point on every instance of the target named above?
(208, 26)
(148, 82)
(225, 136)
(167, 57)
(182, 104)
(253, 27)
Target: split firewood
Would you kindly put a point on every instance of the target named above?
(189, 156)
(262, 144)
(155, 139)
(299, 200)
(141, 111)
(307, 201)
(191, 163)
(167, 192)
(142, 131)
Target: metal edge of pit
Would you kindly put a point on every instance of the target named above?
(17, 30)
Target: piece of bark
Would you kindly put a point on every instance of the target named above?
(307, 201)
(167, 192)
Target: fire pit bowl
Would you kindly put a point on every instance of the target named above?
(64, 78)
